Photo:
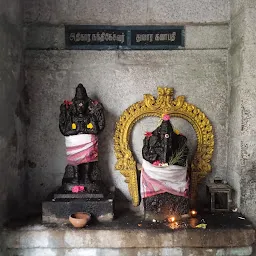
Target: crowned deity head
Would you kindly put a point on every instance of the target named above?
(81, 100)
(164, 131)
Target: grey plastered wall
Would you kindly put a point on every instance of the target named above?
(12, 127)
(118, 78)
(242, 119)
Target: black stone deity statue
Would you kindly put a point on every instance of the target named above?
(164, 179)
(82, 190)
(80, 121)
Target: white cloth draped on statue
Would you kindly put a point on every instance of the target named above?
(81, 148)
(160, 179)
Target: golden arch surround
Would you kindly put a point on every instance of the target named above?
(164, 104)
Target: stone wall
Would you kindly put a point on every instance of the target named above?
(120, 78)
(242, 118)
(12, 128)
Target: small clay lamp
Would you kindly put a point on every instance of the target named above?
(79, 219)
(193, 221)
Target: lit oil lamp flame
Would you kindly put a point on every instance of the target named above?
(193, 213)
(171, 219)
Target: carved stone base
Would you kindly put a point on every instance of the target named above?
(96, 187)
(162, 206)
(61, 205)
(64, 194)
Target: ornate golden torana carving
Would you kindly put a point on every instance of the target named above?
(164, 104)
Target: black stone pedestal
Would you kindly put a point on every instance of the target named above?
(163, 206)
(61, 205)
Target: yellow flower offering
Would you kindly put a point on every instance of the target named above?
(176, 131)
(73, 126)
(202, 225)
(89, 126)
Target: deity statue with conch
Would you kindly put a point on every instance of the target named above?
(80, 121)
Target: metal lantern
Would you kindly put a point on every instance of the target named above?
(219, 194)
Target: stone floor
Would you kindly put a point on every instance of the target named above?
(129, 235)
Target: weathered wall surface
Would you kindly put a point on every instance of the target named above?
(143, 12)
(12, 131)
(120, 78)
(242, 120)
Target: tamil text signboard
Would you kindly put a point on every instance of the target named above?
(124, 38)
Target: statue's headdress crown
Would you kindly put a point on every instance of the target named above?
(81, 93)
(166, 126)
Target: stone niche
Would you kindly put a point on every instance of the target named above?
(199, 72)
(51, 76)
(130, 234)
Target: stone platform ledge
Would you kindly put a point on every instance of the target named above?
(223, 231)
(241, 251)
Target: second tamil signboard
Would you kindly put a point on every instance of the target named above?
(87, 37)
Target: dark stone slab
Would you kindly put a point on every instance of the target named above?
(59, 210)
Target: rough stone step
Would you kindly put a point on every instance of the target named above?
(41, 237)
(242, 251)
(226, 234)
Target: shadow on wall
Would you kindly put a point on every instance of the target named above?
(106, 148)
